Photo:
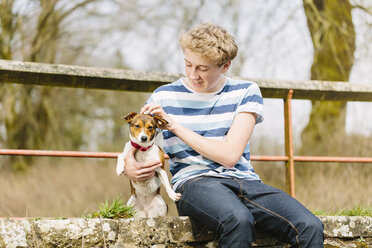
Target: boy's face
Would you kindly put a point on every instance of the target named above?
(203, 75)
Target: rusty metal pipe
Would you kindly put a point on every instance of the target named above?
(21, 152)
(333, 159)
(264, 158)
(288, 135)
(269, 158)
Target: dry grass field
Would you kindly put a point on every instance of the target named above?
(69, 187)
(61, 187)
(325, 187)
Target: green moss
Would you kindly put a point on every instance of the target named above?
(357, 210)
(2, 244)
(361, 244)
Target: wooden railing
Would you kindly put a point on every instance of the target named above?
(117, 79)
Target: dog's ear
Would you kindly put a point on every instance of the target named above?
(129, 117)
(159, 121)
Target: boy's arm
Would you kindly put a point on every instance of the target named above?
(226, 152)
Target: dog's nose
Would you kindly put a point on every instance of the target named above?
(144, 138)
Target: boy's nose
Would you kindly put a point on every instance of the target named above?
(143, 138)
(194, 74)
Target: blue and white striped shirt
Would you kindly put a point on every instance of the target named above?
(210, 115)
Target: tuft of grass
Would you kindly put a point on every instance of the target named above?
(357, 210)
(117, 209)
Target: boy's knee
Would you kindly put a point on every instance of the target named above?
(237, 222)
(312, 233)
(314, 225)
(237, 230)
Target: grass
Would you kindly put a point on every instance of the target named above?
(66, 187)
(70, 187)
(357, 210)
(117, 209)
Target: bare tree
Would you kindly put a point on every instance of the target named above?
(29, 113)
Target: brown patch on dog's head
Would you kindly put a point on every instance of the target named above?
(159, 121)
(129, 117)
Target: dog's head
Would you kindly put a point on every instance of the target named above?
(143, 127)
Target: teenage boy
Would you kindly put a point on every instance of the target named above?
(210, 120)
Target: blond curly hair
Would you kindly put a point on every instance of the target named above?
(211, 42)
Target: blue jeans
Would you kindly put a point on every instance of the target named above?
(234, 207)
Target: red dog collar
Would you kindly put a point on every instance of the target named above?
(141, 148)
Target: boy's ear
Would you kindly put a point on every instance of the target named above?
(226, 66)
(129, 117)
(159, 121)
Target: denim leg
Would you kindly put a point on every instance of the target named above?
(214, 203)
(281, 215)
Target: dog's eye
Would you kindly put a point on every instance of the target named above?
(137, 126)
(150, 128)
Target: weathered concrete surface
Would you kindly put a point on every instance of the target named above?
(118, 79)
(156, 233)
(347, 227)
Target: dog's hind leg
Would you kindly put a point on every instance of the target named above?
(131, 201)
(158, 208)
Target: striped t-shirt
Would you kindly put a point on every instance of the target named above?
(210, 115)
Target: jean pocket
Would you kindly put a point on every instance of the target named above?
(181, 188)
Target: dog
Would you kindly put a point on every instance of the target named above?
(145, 195)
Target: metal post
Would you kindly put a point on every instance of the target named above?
(289, 165)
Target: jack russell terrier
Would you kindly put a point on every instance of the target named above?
(146, 199)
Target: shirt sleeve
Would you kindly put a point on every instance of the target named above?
(152, 99)
(252, 102)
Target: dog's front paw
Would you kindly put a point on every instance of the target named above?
(178, 196)
(119, 172)
(119, 169)
(175, 196)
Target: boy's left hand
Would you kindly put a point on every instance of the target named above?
(156, 109)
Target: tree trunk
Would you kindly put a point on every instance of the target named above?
(332, 32)
(29, 118)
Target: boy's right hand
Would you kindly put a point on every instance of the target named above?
(139, 171)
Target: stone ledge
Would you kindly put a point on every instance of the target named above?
(157, 233)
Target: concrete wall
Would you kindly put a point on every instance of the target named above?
(156, 233)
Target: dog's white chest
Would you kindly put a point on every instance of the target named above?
(151, 154)
(149, 186)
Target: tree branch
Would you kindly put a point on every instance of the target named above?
(361, 7)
